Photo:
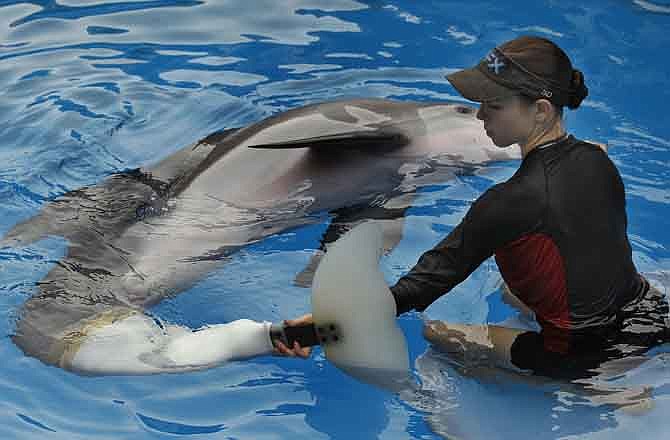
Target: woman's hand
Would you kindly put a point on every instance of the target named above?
(296, 350)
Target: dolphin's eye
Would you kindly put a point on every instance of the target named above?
(464, 110)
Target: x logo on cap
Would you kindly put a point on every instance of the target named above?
(495, 64)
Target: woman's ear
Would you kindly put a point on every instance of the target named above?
(544, 111)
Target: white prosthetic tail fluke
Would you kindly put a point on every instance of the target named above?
(355, 313)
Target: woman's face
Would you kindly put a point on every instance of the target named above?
(507, 120)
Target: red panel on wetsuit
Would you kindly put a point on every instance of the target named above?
(532, 267)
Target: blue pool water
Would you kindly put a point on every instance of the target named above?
(89, 88)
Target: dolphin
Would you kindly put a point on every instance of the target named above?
(145, 234)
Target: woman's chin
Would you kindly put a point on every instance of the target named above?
(500, 143)
(497, 141)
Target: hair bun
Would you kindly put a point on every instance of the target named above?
(579, 90)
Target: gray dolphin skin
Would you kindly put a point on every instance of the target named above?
(142, 235)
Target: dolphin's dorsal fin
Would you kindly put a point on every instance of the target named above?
(352, 140)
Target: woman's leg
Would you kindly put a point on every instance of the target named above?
(479, 344)
(512, 300)
(474, 345)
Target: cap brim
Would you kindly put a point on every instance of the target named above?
(474, 85)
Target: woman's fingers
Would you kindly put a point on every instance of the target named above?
(302, 352)
(296, 351)
(281, 349)
(304, 319)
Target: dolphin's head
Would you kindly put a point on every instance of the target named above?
(449, 116)
(453, 130)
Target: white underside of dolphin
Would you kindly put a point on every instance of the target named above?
(141, 236)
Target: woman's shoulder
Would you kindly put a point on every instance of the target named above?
(589, 145)
(586, 154)
(508, 207)
(519, 194)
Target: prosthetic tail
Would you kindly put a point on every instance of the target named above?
(354, 313)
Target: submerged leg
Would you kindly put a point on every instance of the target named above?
(510, 298)
(474, 345)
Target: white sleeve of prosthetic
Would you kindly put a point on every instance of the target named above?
(139, 345)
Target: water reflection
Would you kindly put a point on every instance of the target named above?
(199, 21)
(651, 6)
(330, 411)
(495, 404)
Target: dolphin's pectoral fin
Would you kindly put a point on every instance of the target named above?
(345, 219)
(27, 232)
(353, 140)
(104, 208)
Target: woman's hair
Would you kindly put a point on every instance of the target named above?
(549, 64)
(577, 82)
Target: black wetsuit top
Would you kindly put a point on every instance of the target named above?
(557, 229)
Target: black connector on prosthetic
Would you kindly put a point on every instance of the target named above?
(307, 335)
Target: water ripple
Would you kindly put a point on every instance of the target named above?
(177, 428)
(34, 422)
(653, 6)
(62, 11)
